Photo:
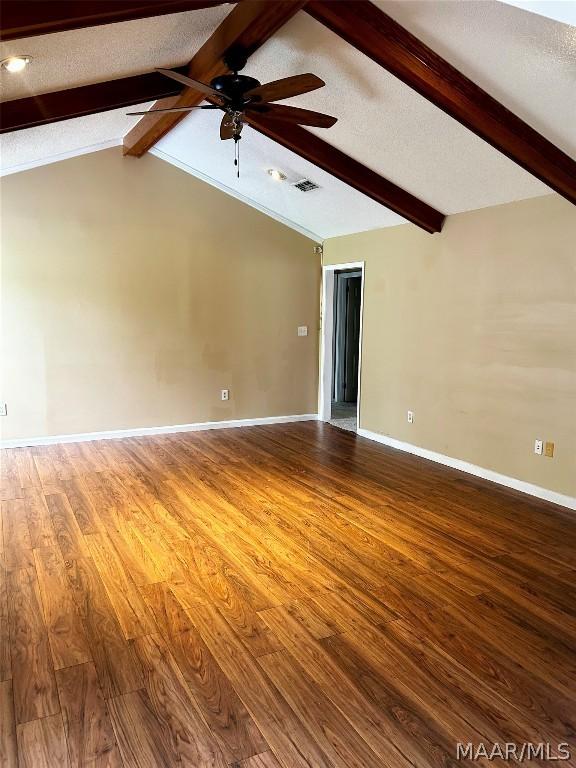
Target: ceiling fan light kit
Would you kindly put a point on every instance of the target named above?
(241, 97)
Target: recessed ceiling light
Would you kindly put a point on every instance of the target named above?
(276, 174)
(15, 63)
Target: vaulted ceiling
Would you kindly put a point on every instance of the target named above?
(524, 60)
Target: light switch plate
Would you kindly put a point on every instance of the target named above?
(302, 330)
(3, 409)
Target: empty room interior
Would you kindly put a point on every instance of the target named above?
(288, 383)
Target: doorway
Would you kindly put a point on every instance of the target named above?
(341, 344)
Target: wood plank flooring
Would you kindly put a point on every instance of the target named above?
(276, 597)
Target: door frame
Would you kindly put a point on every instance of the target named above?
(327, 336)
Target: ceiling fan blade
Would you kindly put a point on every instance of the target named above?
(175, 109)
(292, 115)
(189, 83)
(285, 88)
(227, 127)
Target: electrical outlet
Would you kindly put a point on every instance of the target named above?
(549, 450)
(538, 446)
(410, 417)
(225, 394)
(3, 409)
(302, 330)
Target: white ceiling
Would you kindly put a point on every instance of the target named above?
(83, 56)
(526, 61)
(560, 10)
(50, 143)
(334, 208)
(523, 59)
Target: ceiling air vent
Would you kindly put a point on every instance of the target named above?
(305, 185)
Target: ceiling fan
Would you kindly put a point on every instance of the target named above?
(240, 97)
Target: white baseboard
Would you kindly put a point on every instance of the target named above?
(116, 434)
(439, 458)
(472, 469)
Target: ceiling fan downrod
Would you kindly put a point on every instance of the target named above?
(235, 58)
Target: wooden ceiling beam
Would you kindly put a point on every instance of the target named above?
(86, 100)
(250, 24)
(27, 18)
(350, 171)
(370, 30)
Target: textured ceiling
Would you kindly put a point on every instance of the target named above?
(389, 127)
(523, 59)
(560, 10)
(526, 61)
(56, 141)
(333, 209)
(83, 56)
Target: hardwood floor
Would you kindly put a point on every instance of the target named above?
(276, 596)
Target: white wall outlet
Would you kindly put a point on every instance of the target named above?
(410, 417)
(3, 409)
(302, 330)
(538, 447)
(225, 394)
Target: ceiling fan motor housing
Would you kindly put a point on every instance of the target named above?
(234, 87)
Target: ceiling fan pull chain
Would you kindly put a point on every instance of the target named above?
(237, 155)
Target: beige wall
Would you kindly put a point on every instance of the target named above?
(133, 293)
(474, 330)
